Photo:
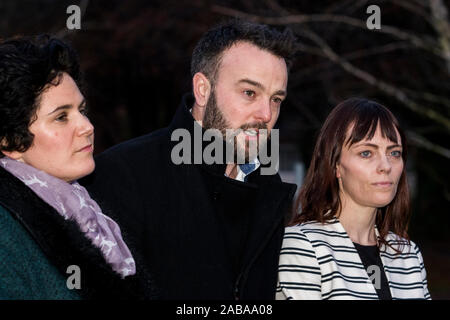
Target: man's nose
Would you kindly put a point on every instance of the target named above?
(264, 112)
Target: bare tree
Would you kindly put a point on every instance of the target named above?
(430, 106)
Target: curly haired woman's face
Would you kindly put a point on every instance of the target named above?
(63, 135)
(369, 171)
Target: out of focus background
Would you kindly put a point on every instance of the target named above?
(136, 60)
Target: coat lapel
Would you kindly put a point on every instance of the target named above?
(349, 243)
(271, 208)
(386, 263)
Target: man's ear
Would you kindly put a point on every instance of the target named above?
(202, 89)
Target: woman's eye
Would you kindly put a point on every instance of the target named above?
(62, 117)
(84, 111)
(365, 154)
(396, 154)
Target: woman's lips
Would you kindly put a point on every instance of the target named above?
(87, 148)
(383, 184)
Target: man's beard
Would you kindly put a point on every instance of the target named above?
(215, 119)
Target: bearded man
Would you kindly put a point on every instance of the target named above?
(209, 231)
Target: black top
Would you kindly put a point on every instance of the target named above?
(370, 256)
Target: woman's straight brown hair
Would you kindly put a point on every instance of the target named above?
(318, 199)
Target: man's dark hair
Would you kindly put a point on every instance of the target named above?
(208, 52)
(28, 66)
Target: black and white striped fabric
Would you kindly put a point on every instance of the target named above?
(319, 261)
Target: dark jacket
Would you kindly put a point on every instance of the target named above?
(37, 246)
(204, 236)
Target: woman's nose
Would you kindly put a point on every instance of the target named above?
(384, 164)
(85, 127)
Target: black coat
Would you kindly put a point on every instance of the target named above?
(204, 236)
(64, 244)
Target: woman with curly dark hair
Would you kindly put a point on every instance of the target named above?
(350, 240)
(55, 242)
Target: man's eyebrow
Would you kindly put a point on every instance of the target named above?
(259, 85)
(280, 93)
(66, 106)
(251, 82)
(376, 146)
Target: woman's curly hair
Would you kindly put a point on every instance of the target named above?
(28, 66)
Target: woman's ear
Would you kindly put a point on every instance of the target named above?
(16, 155)
(338, 171)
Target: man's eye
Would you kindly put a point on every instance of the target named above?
(365, 154)
(277, 100)
(249, 93)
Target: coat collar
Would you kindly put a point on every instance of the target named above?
(272, 205)
(63, 242)
(183, 119)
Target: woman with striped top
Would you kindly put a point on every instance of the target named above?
(350, 241)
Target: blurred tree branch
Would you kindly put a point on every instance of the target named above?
(435, 13)
(416, 8)
(423, 42)
(381, 85)
(421, 141)
(439, 15)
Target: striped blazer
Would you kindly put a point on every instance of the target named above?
(319, 261)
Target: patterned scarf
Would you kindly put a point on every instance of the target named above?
(72, 201)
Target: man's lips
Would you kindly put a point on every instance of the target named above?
(251, 132)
